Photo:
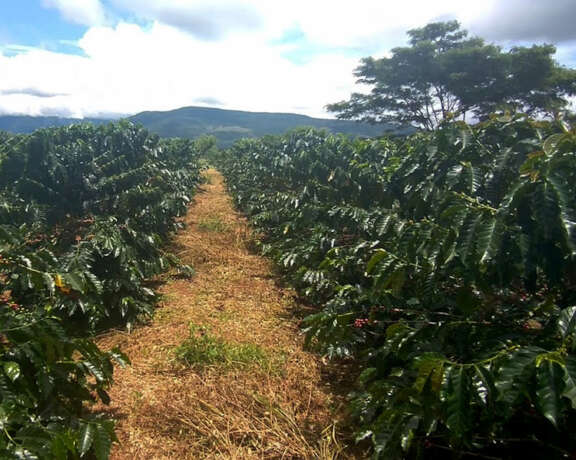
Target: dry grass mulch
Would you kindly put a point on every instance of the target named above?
(278, 404)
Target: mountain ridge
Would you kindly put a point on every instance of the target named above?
(194, 121)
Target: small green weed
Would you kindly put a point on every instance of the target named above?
(203, 349)
(213, 224)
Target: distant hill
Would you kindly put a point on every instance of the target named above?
(190, 122)
(230, 125)
(25, 124)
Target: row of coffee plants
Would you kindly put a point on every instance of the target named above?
(444, 265)
(85, 213)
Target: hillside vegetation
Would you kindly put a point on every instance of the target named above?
(24, 124)
(231, 125)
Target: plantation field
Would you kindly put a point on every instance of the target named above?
(88, 221)
(433, 278)
(85, 214)
(443, 265)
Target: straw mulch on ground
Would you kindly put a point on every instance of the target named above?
(287, 406)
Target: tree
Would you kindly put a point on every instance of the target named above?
(445, 74)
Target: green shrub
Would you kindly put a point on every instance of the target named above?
(445, 264)
(85, 213)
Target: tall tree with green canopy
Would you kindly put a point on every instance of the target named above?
(444, 73)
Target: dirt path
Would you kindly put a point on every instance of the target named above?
(253, 392)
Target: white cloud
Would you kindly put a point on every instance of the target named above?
(224, 50)
(551, 21)
(332, 23)
(205, 20)
(83, 12)
(369, 22)
(129, 68)
(340, 23)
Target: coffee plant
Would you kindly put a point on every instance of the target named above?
(445, 267)
(85, 215)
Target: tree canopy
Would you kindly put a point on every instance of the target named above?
(444, 73)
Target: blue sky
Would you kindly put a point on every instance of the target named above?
(102, 57)
(26, 23)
